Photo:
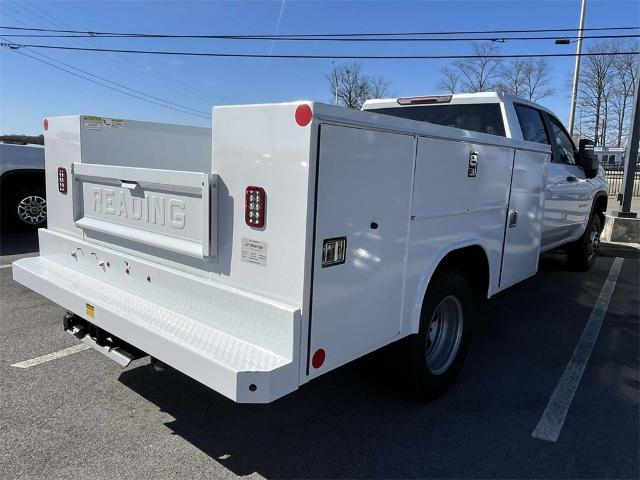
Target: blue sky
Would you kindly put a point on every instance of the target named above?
(31, 90)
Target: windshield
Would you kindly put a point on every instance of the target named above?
(477, 117)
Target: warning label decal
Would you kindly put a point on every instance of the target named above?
(91, 123)
(98, 123)
(113, 122)
(254, 252)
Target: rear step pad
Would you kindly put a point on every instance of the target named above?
(71, 289)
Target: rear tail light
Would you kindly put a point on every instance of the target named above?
(62, 180)
(318, 358)
(424, 100)
(304, 114)
(255, 206)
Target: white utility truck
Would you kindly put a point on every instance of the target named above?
(293, 238)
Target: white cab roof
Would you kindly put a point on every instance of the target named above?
(466, 98)
(459, 98)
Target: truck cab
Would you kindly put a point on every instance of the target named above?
(572, 195)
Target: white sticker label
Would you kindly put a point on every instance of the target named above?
(92, 123)
(113, 122)
(254, 251)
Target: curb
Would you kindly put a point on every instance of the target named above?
(619, 249)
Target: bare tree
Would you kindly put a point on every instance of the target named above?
(450, 79)
(529, 78)
(377, 87)
(353, 87)
(624, 67)
(23, 139)
(596, 80)
(538, 79)
(349, 83)
(479, 74)
(514, 77)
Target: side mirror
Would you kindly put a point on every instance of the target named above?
(587, 159)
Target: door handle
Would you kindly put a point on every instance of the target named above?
(513, 218)
(131, 185)
(571, 178)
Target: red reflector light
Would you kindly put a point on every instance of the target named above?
(424, 100)
(303, 115)
(62, 180)
(318, 358)
(46, 124)
(255, 206)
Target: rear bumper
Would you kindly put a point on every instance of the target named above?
(202, 348)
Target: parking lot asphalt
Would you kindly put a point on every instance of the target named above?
(82, 416)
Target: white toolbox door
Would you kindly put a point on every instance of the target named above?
(364, 179)
(523, 227)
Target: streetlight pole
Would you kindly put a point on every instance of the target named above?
(576, 71)
(580, 122)
(335, 80)
(632, 154)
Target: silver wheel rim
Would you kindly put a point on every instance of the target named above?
(444, 335)
(32, 210)
(593, 243)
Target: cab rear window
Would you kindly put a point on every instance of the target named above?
(478, 117)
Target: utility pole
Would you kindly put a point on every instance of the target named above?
(632, 156)
(576, 71)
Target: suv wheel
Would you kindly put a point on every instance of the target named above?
(27, 208)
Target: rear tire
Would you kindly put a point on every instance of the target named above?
(582, 253)
(438, 349)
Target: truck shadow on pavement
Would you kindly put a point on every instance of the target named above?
(14, 242)
(358, 421)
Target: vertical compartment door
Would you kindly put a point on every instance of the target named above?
(523, 227)
(362, 218)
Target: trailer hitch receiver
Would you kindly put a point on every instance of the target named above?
(100, 340)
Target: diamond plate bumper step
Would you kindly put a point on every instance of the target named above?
(241, 370)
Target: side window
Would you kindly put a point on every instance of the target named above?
(531, 124)
(563, 143)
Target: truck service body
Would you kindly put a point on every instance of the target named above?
(291, 238)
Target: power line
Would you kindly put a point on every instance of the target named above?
(185, 107)
(112, 59)
(325, 39)
(109, 86)
(16, 46)
(324, 35)
(117, 62)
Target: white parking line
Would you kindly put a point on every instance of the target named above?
(51, 356)
(552, 420)
(5, 266)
